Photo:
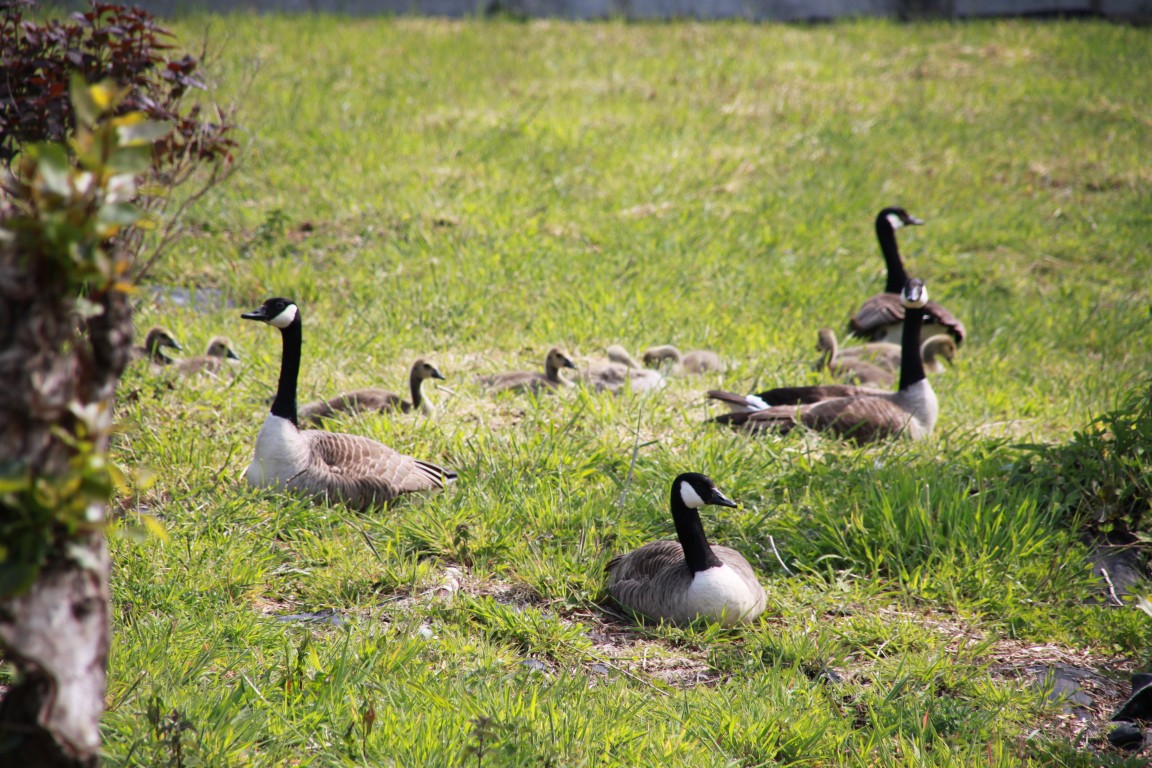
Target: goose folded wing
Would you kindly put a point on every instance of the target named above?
(877, 312)
(363, 472)
(934, 314)
(863, 419)
(644, 580)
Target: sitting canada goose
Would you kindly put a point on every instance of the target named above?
(157, 338)
(880, 317)
(354, 470)
(848, 368)
(935, 351)
(911, 410)
(368, 400)
(621, 371)
(696, 361)
(682, 581)
(219, 351)
(519, 381)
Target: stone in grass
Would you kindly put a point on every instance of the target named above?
(1127, 736)
(327, 616)
(533, 665)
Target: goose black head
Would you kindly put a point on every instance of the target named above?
(277, 312)
(915, 294)
(898, 217)
(696, 490)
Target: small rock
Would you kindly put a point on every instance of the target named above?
(533, 665)
(599, 669)
(425, 632)
(1127, 736)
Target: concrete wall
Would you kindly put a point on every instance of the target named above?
(774, 10)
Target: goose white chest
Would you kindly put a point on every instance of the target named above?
(920, 401)
(281, 453)
(720, 594)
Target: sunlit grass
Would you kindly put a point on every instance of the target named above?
(477, 192)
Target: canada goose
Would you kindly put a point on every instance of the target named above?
(911, 410)
(156, 339)
(848, 368)
(880, 317)
(354, 470)
(367, 400)
(212, 361)
(681, 581)
(534, 381)
(621, 371)
(935, 351)
(696, 361)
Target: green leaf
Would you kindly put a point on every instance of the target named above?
(87, 113)
(54, 168)
(119, 214)
(134, 159)
(144, 132)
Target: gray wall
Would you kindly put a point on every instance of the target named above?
(777, 10)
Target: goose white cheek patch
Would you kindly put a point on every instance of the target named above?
(691, 499)
(285, 318)
(895, 221)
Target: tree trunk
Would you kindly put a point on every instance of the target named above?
(59, 377)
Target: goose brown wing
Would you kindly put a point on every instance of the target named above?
(778, 418)
(362, 472)
(646, 579)
(881, 310)
(518, 380)
(357, 401)
(863, 419)
(885, 309)
(934, 314)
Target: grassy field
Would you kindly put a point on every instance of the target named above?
(476, 192)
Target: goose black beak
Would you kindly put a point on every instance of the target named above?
(256, 314)
(569, 364)
(232, 355)
(437, 375)
(720, 500)
(913, 221)
(175, 345)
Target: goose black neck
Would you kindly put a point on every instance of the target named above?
(414, 382)
(698, 553)
(284, 405)
(887, 237)
(911, 365)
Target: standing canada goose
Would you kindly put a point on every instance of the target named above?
(621, 371)
(911, 410)
(935, 351)
(680, 581)
(880, 317)
(157, 338)
(354, 470)
(219, 351)
(848, 368)
(379, 400)
(696, 361)
(520, 381)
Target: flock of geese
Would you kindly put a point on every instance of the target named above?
(676, 581)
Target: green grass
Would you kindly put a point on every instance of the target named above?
(477, 192)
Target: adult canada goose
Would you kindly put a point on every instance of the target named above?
(680, 581)
(217, 354)
(696, 361)
(848, 368)
(354, 470)
(534, 381)
(621, 371)
(911, 410)
(157, 338)
(368, 400)
(880, 317)
(935, 351)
